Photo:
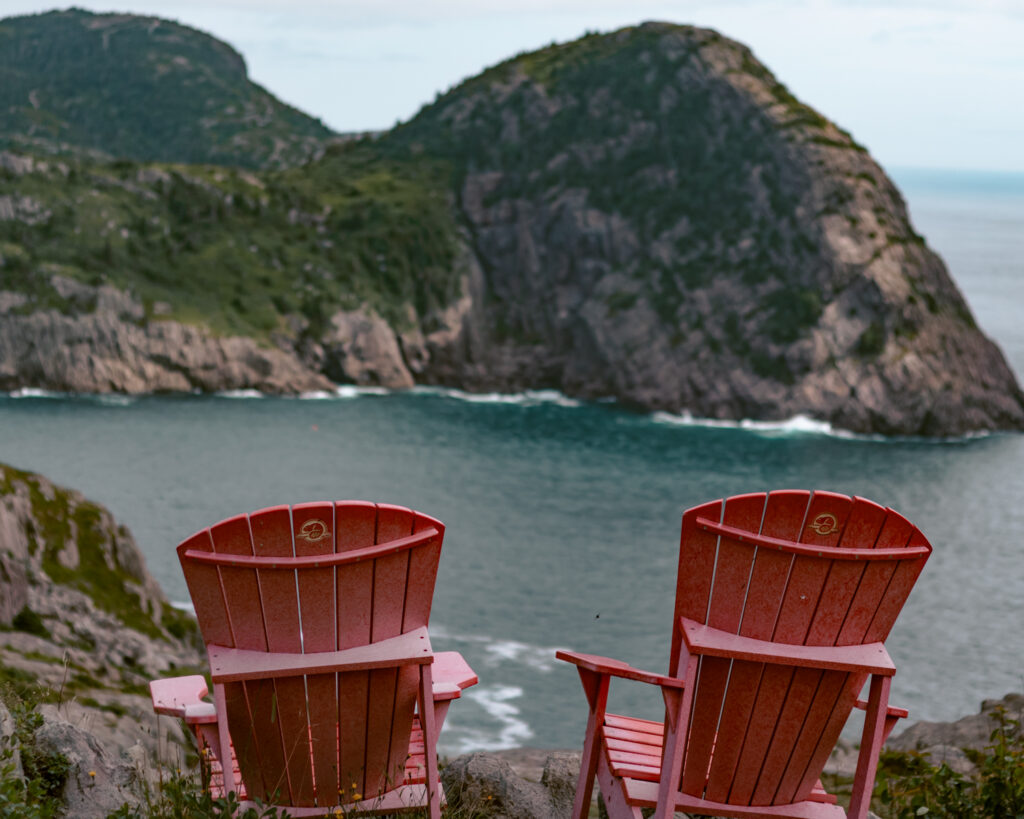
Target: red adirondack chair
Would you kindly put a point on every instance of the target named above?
(783, 601)
(326, 691)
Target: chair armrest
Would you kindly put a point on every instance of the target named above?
(237, 665)
(451, 673)
(617, 668)
(182, 697)
(871, 658)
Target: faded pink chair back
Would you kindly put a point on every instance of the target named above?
(790, 567)
(349, 738)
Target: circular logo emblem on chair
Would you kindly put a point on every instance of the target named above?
(313, 531)
(824, 524)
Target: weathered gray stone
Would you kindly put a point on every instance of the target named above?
(361, 348)
(100, 779)
(10, 753)
(947, 741)
(104, 345)
(485, 784)
(561, 770)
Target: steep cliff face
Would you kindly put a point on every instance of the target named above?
(99, 342)
(657, 219)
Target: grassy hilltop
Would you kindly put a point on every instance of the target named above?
(142, 88)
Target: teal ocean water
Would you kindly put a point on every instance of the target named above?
(563, 518)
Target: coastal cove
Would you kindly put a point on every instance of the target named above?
(563, 517)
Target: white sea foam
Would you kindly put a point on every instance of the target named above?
(529, 398)
(506, 729)
(33, 392)
(495, 652)
(352, 391)
(805, 425)
(798, 424)
(240, 394)
(116, 399)
(316, 395)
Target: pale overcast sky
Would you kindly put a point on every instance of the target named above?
(922, 83)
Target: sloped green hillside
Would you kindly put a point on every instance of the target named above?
(142, 88)
(231, 249)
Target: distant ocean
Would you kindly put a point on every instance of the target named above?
(563, 517)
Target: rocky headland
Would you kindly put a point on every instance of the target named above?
(647, 215)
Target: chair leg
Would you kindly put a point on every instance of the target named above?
(677, 719)
(870, 747)
(595, 686)
(426, 708)
(224, 739)
(613, 793)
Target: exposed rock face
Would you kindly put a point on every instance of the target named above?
(101, 777)
(658, 220)
(485, 784)
(946, 742)
(83, 618)
(101, 343)
(361, 348)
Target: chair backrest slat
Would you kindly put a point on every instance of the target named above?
(245, 721)
(391, 573)
(896, 531)
(282, 732)
(423, 563)
(241, 587)
(725, 610)
(207, 593)
(356, 525)
(695, 573)
(313, 530)
(272, 537)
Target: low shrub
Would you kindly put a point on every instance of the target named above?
(908, 785)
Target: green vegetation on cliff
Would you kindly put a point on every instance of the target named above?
(142, 88)
(645, 126)
(235, 250)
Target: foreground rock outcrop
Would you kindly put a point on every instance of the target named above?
(952, 742)
(647, 215)
(84, 627)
